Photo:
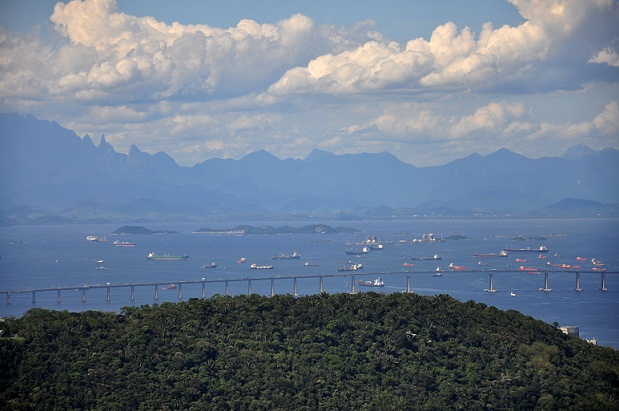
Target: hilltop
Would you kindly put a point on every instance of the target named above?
(342, 351)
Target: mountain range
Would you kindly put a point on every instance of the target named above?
(51, 175)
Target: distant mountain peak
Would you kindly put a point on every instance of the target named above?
(504, 153)
(134, 151)
(318, 154)
(88, 140)
(260, 155)
(105, 146)
(578, 151)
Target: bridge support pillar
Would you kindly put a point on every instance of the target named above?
(546, 288)
(108, 296)
(180, 291)
(156, 292)
(352, 284)
(58, 298)
(249, 287)
(578, 282)
(603, 275)
(34, 300)
(132, 294)
(272, 287)
(408, 283)
(83, 295)
(295, 289)
(8, 298)
(226, 287)
(490, 288)
(203, 294)
(322, 289)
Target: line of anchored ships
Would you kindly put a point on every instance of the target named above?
(371, 243)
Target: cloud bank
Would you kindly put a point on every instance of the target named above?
(198, 91)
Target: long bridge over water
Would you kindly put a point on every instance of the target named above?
(178, 285)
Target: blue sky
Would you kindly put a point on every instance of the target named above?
(427, 81)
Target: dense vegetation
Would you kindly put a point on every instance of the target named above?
(285, 229)
(325, 351)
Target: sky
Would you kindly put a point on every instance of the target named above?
(428, 82)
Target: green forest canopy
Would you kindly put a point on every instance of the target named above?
(326, 351)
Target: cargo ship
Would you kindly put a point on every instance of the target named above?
(540, 249)
(166, 257)
(282, 256)
(255, 266)
(123, 244)
(435, 257)
(351, 267)
(490, 255)
(376, 283)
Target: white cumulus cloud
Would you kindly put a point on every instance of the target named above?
(607, 55)
(451, 57)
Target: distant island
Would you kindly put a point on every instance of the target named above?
(139, 230)
(308, 229)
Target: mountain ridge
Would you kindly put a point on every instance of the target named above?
(52, 170)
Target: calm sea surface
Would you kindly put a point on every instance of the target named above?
(37, 257)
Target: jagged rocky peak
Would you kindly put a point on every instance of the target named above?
(105, 146)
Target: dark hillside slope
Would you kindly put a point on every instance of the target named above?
(340, 351)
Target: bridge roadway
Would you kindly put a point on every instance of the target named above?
(203, 281)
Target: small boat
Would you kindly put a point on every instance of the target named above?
(211, 265)
(523, 268)
(597, 263)
(457, 267)
(520, 260)
(378, 282)
(481, 263)
(581, 259)
(408, 264)
(169, 287)
(255, 266)
(166, 257)
(438, 272)
(123, 244)
(241, 260)
(599, 269)
(96, 239)
(541, 257)
(100, 261)
(511, 293)
(308, 264)
(433, 258)
(282, 256)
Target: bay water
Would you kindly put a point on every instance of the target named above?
(52, 256)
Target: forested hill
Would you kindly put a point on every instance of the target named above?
(325, 351)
